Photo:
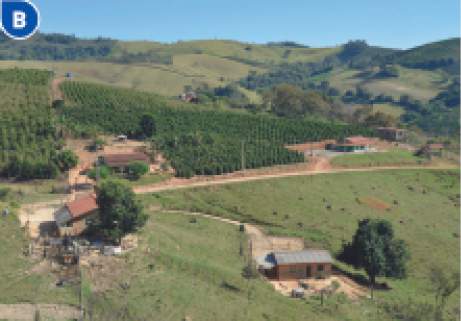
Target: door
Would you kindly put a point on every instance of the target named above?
(308, 271)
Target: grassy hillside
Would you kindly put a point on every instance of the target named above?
(197, 274)
(427, 222)
(433, 55)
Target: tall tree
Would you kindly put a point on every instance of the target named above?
(444, 285)
(120, 212)
(148, 125)
(375, 249)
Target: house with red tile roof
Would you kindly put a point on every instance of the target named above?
(118, 162)
(352, 144)
(77, 216)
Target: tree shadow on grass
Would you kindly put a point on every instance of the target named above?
(229, 287)
(361, 280)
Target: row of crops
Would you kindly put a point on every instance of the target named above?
(26, 127)
(121, 111)
(204, 155)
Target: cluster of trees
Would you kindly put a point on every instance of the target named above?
(229, 93)
(286, 44)
(297, 74)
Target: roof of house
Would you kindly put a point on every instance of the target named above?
(359, 140)
(62, 215)
(82, 205)
(304, 256)
(390, 129)
(266, 261)
(435, 146)
(119, 160)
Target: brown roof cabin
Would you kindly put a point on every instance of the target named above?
(76, 216)
(119, 161)
(294, 265)
(392, 133)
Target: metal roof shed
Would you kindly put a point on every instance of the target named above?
(304, 256)
(266, 261)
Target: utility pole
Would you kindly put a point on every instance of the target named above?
(51, 80)
(243, 157)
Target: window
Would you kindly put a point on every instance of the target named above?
(320, 267)
(69, 224)
(88, 221)
(292, 269)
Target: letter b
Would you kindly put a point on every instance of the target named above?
(19, 19)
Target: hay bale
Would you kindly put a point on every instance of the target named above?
(343, 209)
(330, 207)
(193, 220)
(427, 225)
(373, 188)
(287, 216)
(424, 191)
(300, 198)
(300, 224)
(396, 202)
(402, 222)
(456, 235)
(274, 212)
(324, 199)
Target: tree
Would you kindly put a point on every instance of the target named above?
(444, 285)
(120, 212)
(148, 125)
(380, 119)
(376, 251)
(67, 160)
(138, 168)
(104, 172)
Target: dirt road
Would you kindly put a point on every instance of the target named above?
(26, 311)
(58, 95)
(176, 184)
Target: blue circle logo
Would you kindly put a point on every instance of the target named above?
(20, 18)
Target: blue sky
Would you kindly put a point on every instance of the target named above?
(390, 23)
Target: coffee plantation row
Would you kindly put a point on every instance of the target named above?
(27, 127)
(125, 111)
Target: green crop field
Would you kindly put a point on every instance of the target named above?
(427, 222)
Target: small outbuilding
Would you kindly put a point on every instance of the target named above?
(392, 133)
(293, 265)
(118, 162)
(77, 216)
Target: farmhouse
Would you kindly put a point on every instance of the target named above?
(76, 216)
(189, 97)
(292, 265)
(392, 133)
(352, 144)
(118, 162)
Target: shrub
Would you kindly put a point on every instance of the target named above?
(4, 193)
(104, 172)
(138, 168)
(14, 204)
(335, 284)
(67, 160)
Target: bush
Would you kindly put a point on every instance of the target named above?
(104, 172)
(67, 160)
(138, 168)
(4, 193)
(14, 204)
(335, 284)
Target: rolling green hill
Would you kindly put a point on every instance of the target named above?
(443, 54)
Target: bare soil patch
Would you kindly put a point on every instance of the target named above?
(380, 205)
(26, 311)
